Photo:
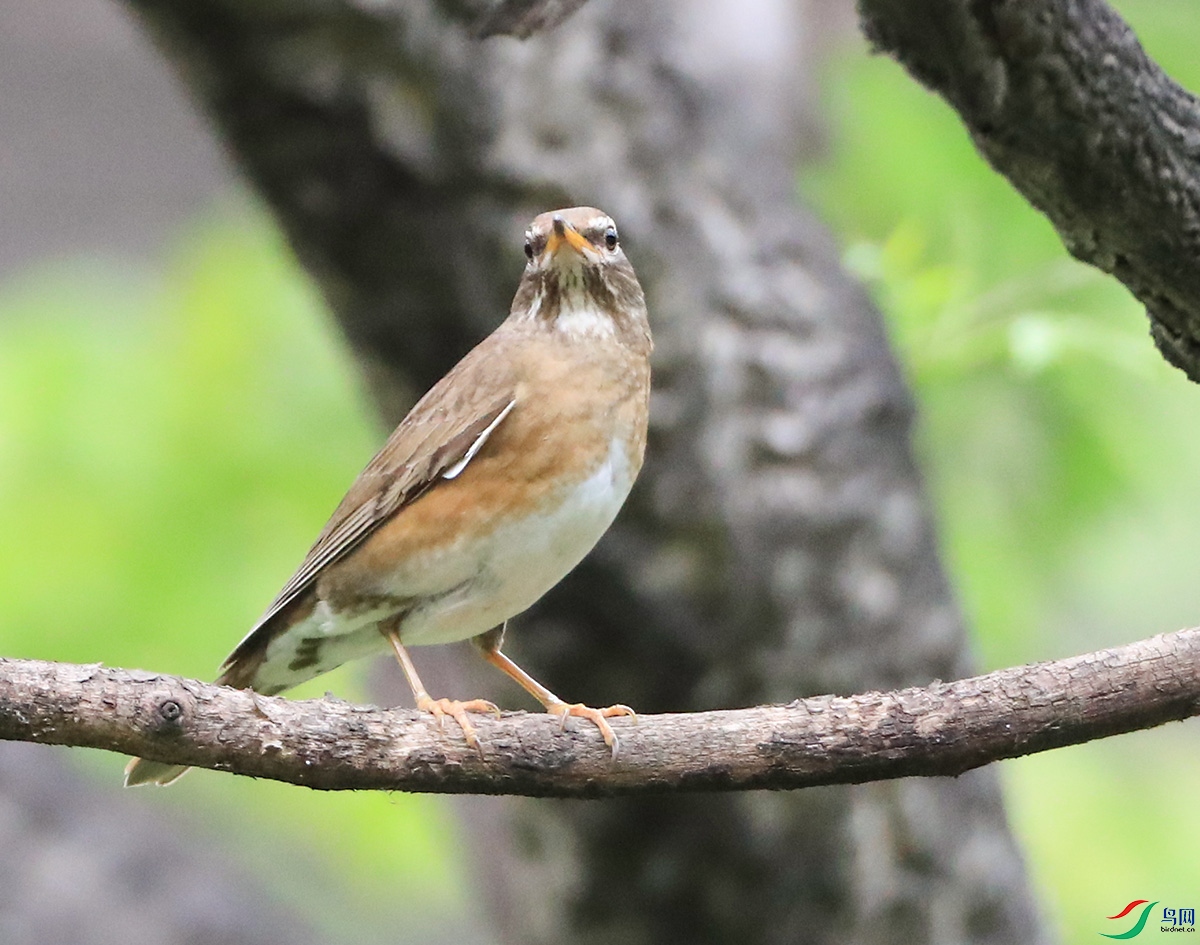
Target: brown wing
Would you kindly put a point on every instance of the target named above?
(434, 442)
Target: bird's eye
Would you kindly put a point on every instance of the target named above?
(610, 237)
(528, 248)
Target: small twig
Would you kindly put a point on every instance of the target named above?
(524, 18)
(942, 729)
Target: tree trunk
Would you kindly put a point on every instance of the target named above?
(778, 543)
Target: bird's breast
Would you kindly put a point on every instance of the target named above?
(491, 577)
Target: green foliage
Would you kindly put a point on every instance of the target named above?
(169, 445)
(1057, 447)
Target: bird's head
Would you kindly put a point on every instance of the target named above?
(577, 279)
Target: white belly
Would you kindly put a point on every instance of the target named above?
(521, 561)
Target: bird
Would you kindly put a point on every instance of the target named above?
(496, 484)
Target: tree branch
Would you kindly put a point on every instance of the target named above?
(329, 744)
(1060, 97)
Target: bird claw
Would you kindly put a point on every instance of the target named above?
(598, 717)
(440, 708)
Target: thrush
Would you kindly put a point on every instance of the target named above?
(497, 483)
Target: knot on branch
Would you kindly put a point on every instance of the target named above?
(166, 714)
(170, 710)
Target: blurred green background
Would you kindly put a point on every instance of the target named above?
(169, 441)
(159, 480)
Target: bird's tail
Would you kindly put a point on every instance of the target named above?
(143, 771)
(243, 669)
(240, 675)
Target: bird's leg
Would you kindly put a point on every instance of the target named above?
(438, 708)
(489, 645)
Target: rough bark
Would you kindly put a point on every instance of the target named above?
(778, 542)
(1060, 97)
(328, 744)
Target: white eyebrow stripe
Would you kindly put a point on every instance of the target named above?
(458, 467)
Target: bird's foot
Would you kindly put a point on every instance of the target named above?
(598, 717)
(440, 708)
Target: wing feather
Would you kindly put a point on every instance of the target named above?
(436, 441)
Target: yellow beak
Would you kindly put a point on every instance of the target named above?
(563, 234)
